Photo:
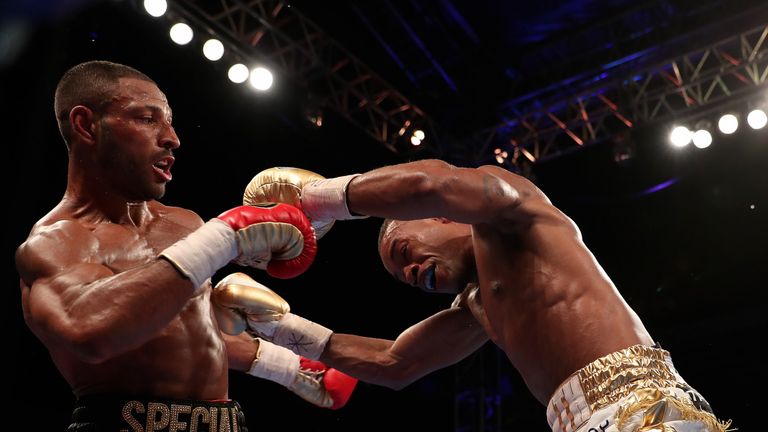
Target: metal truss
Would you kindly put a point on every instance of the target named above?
(683, 86)
(272, 32)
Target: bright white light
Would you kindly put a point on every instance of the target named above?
(702, 138)
(261, 79)
(213, 49)
(757, 119)
(501, 155)
(156, 8)
(728, 124)
(181, 33)
(418, 133)
(415, 140)
(238, 73)
(680, 136)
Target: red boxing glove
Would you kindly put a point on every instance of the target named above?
(338, 385)
(279, 235)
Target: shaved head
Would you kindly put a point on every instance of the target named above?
(89, 84)
(386, 226)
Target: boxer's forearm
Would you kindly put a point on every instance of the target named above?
(429, 188)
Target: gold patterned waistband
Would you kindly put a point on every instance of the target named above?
(606, 381)
(616, 375)
(641, 385)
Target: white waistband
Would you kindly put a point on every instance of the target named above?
(568, 408)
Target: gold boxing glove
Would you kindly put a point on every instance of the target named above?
(237, 299)
(284, 184)
(241, 303)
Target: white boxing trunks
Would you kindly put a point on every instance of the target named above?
(634, 389)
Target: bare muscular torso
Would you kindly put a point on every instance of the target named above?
(543, 298)
(187, 358)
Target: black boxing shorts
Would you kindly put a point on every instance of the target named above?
(111, 413)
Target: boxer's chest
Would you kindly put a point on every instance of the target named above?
(124, 247)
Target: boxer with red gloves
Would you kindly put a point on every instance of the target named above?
(115, 283)
(241, 303)
(274, 237)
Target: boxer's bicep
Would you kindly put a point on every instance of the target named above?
(55, 272)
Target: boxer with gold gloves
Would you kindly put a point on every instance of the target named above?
(524, 279)
(241, 303)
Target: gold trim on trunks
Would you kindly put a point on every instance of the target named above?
(616, 375)
(640, 372)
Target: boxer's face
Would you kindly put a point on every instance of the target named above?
(432, 254)
(136, 140)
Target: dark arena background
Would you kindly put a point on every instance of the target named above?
(578, 95)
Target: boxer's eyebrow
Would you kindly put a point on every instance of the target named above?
(392, 252)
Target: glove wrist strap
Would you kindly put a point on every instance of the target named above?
(275, 363)
(199, 255)
(302, 336)
(325, 200)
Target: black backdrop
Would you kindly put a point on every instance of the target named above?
(691, 258)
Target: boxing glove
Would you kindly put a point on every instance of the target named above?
(275, 237)
(266, 315)
(311, 380)
(322, 200)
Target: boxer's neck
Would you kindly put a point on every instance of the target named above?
(138, 213)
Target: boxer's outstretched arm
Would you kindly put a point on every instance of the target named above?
(436, 342)
(84, 307)
(432, 188)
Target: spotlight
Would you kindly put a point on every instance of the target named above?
(213, 49)
(680, 136)
(238, 73)
(181, 33)
(757, 119)
(728, 124)
(702, 138)
(501, 156)
(417, 137)
(261, 79)
(156, 8)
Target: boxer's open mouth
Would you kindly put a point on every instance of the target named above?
(430, 279)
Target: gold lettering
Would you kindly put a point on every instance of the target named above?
(235, 426)
(175, 424)
(153, 423)
(214, 419)
(198, 412)
(224, 422)
(132, 422)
